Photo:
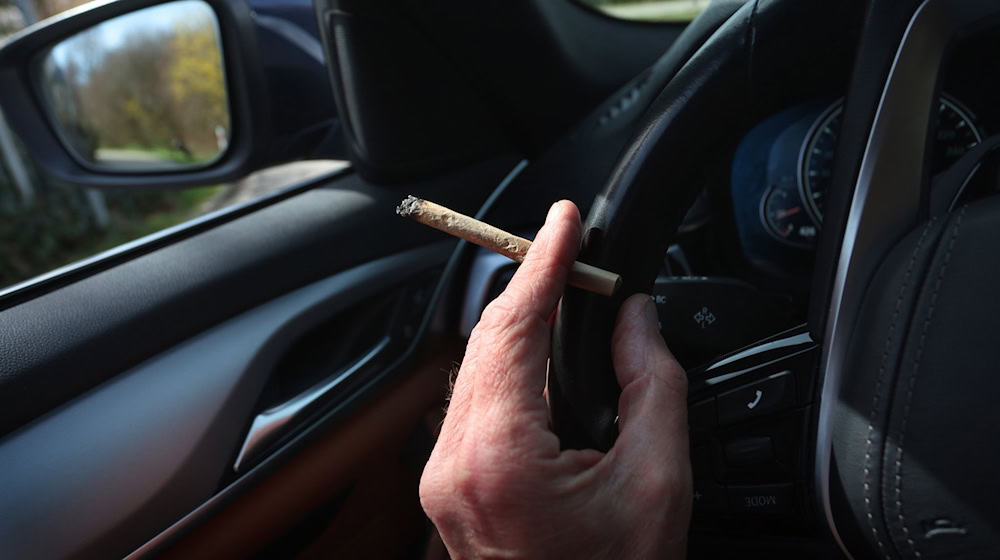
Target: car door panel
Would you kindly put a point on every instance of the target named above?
(139, 382)
(262, 510)
(150, 445)
(70, 339)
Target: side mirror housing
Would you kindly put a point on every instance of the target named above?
(141, 93)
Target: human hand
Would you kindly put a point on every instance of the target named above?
(497, 484)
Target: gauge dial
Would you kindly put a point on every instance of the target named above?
(956, 134)
(786, 217)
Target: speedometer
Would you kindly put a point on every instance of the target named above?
(956, 134)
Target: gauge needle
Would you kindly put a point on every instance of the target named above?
(790, 212)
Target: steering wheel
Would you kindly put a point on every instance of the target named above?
(858, 426)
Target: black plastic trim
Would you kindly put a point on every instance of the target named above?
(118, 464)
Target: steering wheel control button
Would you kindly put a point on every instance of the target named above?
(763, 499)
(766, 396)
(704, 317)
(750, 452)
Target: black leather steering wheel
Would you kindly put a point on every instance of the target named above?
(879, 393)
(742, 70)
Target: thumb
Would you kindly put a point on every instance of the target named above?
(652, 409)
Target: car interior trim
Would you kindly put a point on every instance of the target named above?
(486, 263)
(218, 373)
(236, 524)
(793, 340)
(948, 189)
(293, 34)
(740, 373)
(501, 187)
(727, 376)
(23, 291)
(834, 346)
(245, 483)
(270, 424)
(482, 276)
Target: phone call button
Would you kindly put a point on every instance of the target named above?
(768, 395)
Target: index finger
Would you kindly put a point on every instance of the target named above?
(538, 283)
(510, 345)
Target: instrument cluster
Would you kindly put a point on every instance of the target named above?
(783, 168)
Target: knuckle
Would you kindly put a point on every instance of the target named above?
(479, 480)
(499, 316)
(500, 329)
(470, 478)
(656, 485)
(543, 267)
(670, 373)
(432, 491)
(469, 487)
(662, 488)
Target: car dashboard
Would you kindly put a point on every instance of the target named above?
(782, 168)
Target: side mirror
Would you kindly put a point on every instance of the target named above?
(144, 91)
(141, 93)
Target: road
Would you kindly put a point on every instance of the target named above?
(135, 160)
(663, 10)
(269, 180)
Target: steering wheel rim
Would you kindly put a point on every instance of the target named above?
(583, 394)
(722, 85)
(617, 234)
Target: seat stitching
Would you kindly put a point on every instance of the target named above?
(912, 383)
(869, 444)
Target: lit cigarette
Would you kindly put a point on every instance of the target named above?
(581, 275)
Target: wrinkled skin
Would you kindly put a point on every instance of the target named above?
(497, 484)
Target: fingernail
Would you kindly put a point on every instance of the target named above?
(552, 213)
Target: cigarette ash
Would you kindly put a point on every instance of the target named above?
(409, 206)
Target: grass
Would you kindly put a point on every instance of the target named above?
(153, 155)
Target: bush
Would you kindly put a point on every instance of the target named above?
(60, 226)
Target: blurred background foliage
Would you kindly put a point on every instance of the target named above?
(45, 224)
(145, 87)
(65, 224)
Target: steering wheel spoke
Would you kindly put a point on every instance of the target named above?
(749, 414)
(703, 317)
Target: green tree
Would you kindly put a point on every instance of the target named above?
(198, 86)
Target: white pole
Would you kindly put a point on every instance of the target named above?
(14, 164)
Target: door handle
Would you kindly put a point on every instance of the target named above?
(279, 420)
